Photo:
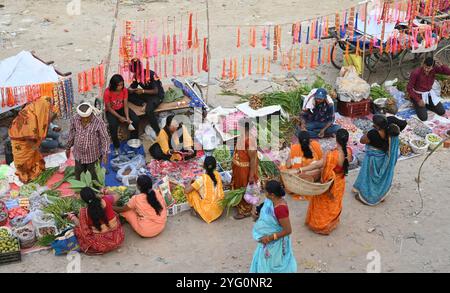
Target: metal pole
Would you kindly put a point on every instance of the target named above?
(365, 36)
(111, 42)
(209, 53)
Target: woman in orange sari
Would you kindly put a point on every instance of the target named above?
(245, 166)
(324, 210)
(304, 154)
(27, 131)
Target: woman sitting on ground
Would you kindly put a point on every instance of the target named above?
(272, 231)
(324, 210)
(146, 212)
(382, 150)
(98, 229)
(304, 153)
(205, 193)
(173, 142)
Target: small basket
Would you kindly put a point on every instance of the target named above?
(299, 186)
(432, 145)
(419, 150)
(178, 208)
(354, 109)
(10, 257)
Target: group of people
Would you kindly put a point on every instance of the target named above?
(98, 227)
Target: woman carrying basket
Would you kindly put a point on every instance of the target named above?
(324, 210)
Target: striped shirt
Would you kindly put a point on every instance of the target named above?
(90, 142)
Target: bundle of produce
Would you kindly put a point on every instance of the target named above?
(232, 198)
(379, 92)
(401, 85)
(87, 181)
(268, 169)
(60, 207)
(45, 176)
(69, 174)
(255, 102)
(444, 81)
(291, 101)
(179, 195)
(27, 190)
(223, 157)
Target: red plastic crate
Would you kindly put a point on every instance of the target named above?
(354, 109)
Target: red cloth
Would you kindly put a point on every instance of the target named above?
(97, 243)
(109, 212)
(281, 212)
(420, 82)
(116, 100)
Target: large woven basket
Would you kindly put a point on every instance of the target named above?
(297, 185)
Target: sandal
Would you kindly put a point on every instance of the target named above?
(240, 216)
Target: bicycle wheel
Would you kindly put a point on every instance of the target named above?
(338, 53)
(378, 67)
(443, 54)
(410, 61)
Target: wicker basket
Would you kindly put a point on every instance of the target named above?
(297, 185)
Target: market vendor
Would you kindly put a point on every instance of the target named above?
(117, 111)
(317, 116)
(27, 132)
(145, 212)
(148, 94)
(205, 193)
(173, 142)
(422, 88)
(97, 227)
(245, 165)
(89, 138)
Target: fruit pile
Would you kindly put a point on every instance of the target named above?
(9, 244)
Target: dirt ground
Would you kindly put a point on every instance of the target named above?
(405, 243)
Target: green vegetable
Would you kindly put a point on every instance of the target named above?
(61, 206)
(268, 169)
(86, 180)
(232, 198)
(320, 83)
(28, 189)
(46, 240)
(45, 176)
(52, 193)
(9, 244)
(401, 85)
(378, 92)
(69, 173)
(179, 195)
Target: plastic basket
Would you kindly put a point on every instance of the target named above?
(178, 208)
(354, 109)
(10, 257)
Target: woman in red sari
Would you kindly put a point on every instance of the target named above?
(245, 166)
(98, 228)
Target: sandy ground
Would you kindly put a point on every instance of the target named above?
(405, 243)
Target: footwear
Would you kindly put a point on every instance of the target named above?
(240, 216)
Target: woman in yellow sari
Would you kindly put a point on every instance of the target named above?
(205, 193)
(27, 131)
(324, 210)
(172, 141)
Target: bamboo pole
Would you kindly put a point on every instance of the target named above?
(209, 53)
(111, 43)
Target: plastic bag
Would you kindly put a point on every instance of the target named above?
(133, 166)
(65, 242)
(44, 224)
(350, 87)
(251, 195)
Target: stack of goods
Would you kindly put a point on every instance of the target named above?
(182, 172)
